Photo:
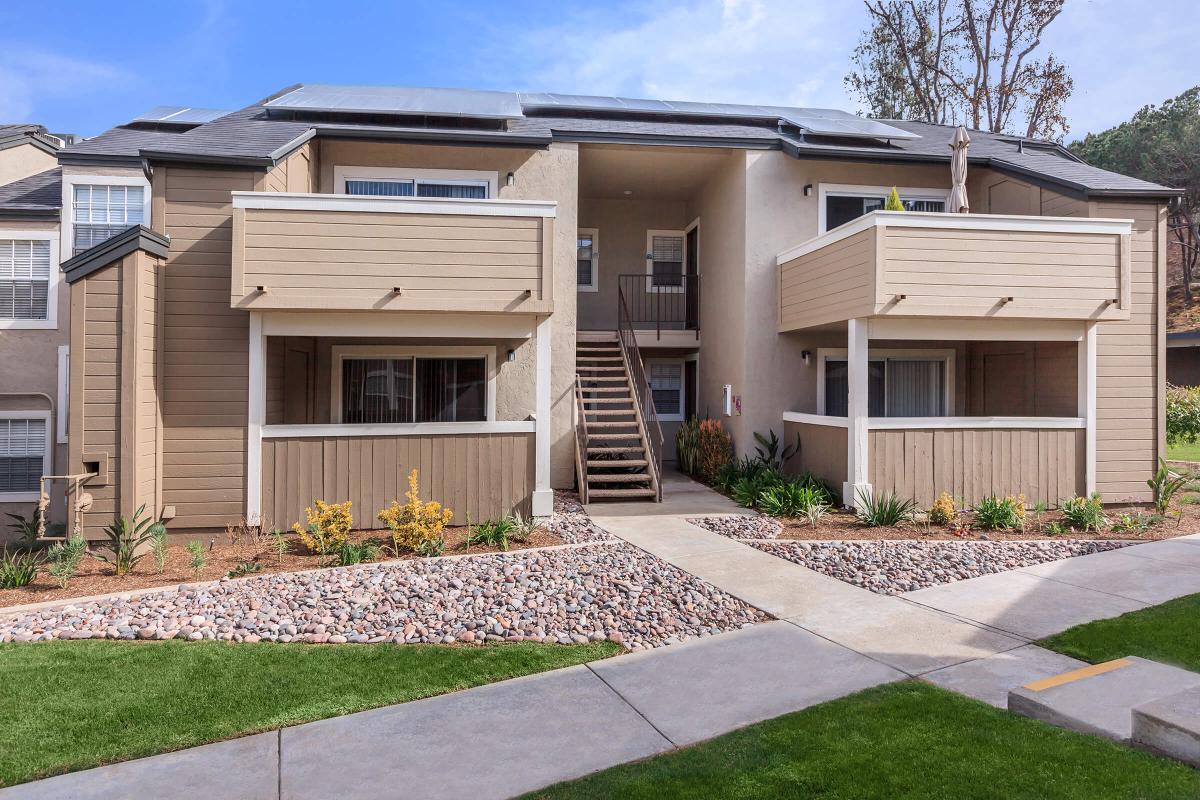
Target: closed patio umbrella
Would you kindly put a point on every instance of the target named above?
(958, 172)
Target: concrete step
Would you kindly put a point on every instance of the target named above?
(1100, 699)
(1170, 726)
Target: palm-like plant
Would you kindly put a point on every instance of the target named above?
(126, 540)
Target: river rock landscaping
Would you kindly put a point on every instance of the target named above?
(896, 567)
(609, 591)
(571, 523)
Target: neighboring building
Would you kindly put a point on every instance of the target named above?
(1183, 323)
(27, 150)
(312, 295)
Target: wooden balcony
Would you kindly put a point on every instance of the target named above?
(911, 264)
(315, 252)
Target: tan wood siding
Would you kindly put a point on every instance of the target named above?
(147, 439)
(206, 354)
(822, 451)
(1044, 465)
(355, 259)
(484, 475)
(830, 284)
(1048, 275)
(296, 173)
(101, 391)
(1130, 357)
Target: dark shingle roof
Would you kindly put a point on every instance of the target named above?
(20, 133)
(251, 137)
(36, 196)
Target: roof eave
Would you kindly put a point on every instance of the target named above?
(30, 213)
(258, 162)
(134, 238)
(488, 138)
(587, 137)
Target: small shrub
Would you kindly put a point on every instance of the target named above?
(280, 545)
(65, 558)
(1165, 484)
(1085, 513)
(893, 202)
(198, 558)
(729, 473)
(1183, 414)
(883, 510)
(687, 446)
(415, 521)
(158, 546)
(1055, 528)
(350, 553)
(943, 511)
(789, 499)
(749, 489)
(1137, 522)
(499, 532)
(432, 548)
(1001, 513)
(815, 512)
(243, 569)
(327, 527)
(769, 453)
(714, 448)
(18, 568)
(127, 540)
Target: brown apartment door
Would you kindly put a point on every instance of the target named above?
(691, 268)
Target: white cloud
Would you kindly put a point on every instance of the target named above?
(28, 76)
(750, 51)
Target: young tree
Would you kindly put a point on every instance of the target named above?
(976, 60)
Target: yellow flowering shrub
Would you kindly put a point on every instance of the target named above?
(327, 527)
(943, 512)
(415, 523)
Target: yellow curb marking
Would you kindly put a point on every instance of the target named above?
(1077, 674)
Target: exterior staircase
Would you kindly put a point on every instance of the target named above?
(614, 455)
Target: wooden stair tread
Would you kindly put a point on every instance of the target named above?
(611, 436)
(630, 477)
(618, 462)
(615, 449)
(621, 493)
(627, 400)
(630, 424)
(608, 412)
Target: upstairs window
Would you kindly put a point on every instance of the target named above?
(24, 452)
(100, 212)
(456, 184)
(842, 206)
(585, 260)
(405, 389)
(24, 279)
(665, 256)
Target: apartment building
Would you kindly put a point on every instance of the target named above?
(310, 296)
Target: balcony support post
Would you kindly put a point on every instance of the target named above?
(543, 495)
(256, 417)
(857, 455)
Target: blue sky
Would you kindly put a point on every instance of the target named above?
(84, 67)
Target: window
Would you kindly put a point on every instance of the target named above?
(842, 204)
(665, 256)
(666, 387)
(422, 183)
(99, 212)
(407, 388)
(586, 258)
(897, 385)
(24, 455)
(25, 279)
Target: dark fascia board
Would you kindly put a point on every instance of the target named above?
(29, 212)
(257, 162)
(33, 139)
(586, 137)
(1184, 336)
(102, 159)
(132, 239)
(471, 137)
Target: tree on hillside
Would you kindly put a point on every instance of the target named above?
(941, 61)
(1159, 144)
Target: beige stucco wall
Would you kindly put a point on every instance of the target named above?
(24, 160)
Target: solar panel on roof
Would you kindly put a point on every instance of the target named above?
(401, 100)
(180, 114)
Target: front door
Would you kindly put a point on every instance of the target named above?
(691, 283)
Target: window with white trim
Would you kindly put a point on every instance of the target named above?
(666, 388)
(842, 207)
(586, 258)
(402, 389)
(23, 453)
(665, 256)
(24, 279)
(897, 386)
(99, 212)
(390, 187)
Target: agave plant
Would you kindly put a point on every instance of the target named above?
(129, 540)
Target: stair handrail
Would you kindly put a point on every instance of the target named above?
(642, 395)
(581, 441)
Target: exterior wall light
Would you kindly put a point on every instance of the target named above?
(510, 180)
(808, 187)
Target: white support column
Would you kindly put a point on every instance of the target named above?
(543, 495)
(256, 417)
(857, 455)
(1087, 403)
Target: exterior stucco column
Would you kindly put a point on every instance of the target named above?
(857, 455)
(543, 495)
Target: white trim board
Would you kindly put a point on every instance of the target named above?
(64, 392)
(307, 201)
(468, 177)
(824, 190)
(52, 283)
(967, 222)
(47, 455)
(407, 429)
(816, 419)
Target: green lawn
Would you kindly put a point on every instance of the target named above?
(70, 705)
(897, 742)
(1183, 452)
(1169, 633)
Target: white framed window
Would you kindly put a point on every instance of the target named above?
(842, 203)
(587, 260)
(28, 279)
(666, 387)
(24, 454)
(900, 383)
(666, 254)
(96, 207)
(384, 385)
(421, 183)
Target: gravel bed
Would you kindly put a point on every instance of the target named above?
(576, 594)
(572, 524)
(757, 526)
(895, 567)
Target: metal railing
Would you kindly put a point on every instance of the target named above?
(647, 416)
(581, 441)
(663, 302)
